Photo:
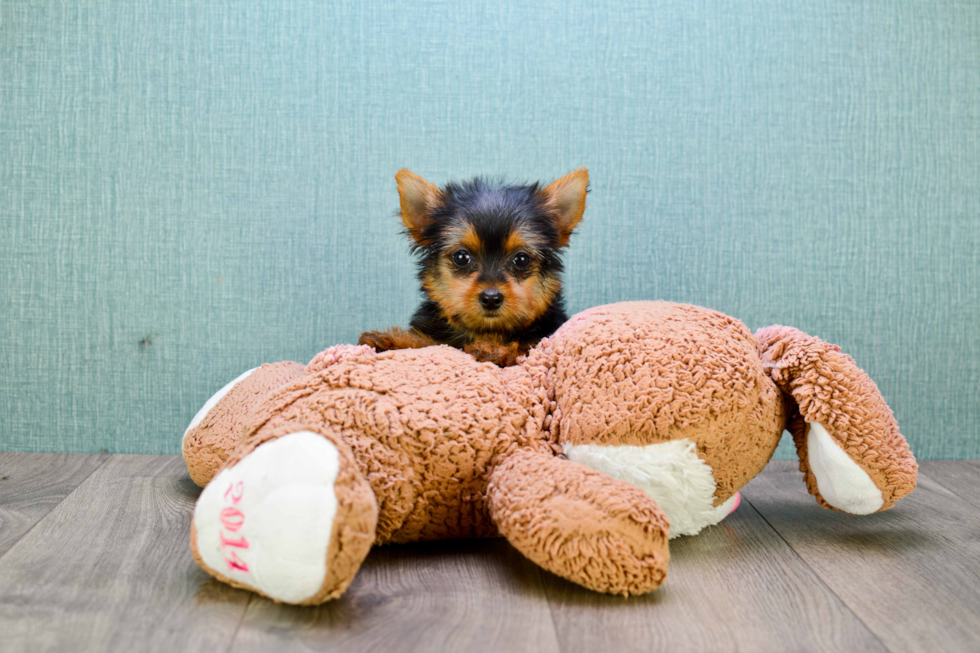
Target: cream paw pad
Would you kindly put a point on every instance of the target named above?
(273, 522)
(266, 522)
(841, 481)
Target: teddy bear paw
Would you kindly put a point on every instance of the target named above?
(266, 522)
(840, 480)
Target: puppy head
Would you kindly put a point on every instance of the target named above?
(489, 252)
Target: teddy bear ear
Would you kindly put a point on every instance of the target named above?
(565, 200)
(418, 199)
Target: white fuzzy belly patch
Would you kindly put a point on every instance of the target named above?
(669, 472)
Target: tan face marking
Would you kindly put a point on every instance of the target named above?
(515, 241)
(469, 239)
(524, 299)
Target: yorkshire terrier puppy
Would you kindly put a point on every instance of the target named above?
(489, 263)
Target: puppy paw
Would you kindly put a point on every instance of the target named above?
(395, 338)
(380, 340)
(490, 352)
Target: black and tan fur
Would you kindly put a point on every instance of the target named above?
(489, 263)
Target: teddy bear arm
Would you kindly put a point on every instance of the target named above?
(289, 515)
(594, 530)
(851, 452)
(217, 428)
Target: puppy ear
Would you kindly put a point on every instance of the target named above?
(565, 200)
(418, 199)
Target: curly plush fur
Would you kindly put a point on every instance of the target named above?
(669, 409)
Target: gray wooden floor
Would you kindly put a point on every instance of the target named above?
(94, 556)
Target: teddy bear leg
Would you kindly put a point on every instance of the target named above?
(590, 528)
(289, 516)
(851, 453)
(217, 428)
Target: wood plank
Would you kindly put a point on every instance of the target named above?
(733, 587)
(961, 477)
(465, 595)
(32, 484)
(912, 573)
(110, 569)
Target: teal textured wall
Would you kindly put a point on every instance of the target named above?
(189, 189)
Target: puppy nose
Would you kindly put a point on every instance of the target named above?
(491, 299)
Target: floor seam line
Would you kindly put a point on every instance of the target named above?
(819, 577)
(238, 626)
(30, 530)
(551, 610)
(935, 479)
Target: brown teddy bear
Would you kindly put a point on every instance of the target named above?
(630, 417)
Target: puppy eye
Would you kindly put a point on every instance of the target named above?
(521, 261)
(461, 258)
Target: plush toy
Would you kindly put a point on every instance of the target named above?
(631, 416)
